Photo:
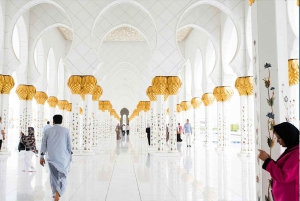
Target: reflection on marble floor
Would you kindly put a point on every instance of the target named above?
(123, 170)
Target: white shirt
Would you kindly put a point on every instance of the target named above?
(127, 128)
(46, 127)
(1, 128)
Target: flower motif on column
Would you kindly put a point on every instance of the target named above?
(223, 93)
(244, 85)
(208, 99)
(40, 97)
(52, 101)
(293, 68)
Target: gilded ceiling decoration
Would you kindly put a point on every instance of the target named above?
(182, 34)
(66, 33)
(124, 34)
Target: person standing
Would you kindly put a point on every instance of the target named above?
(179, 132)
(285, 170)
(46, 127)
(118, 131)
(57, 144)
(2, 134)
(148, 133)
(167, 132)
(187, 130)
(30, 149)
(127, 129)
(123, 129)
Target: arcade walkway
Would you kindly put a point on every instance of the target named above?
(123, 170)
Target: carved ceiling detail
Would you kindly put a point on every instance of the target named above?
(182, 34)
(66, 33)
(124, 34)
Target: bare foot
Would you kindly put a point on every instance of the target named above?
(56, 197)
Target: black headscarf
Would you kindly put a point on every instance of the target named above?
(288, 133)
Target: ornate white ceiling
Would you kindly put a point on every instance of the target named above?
(124, 34)
(182, 34)
(66, 33)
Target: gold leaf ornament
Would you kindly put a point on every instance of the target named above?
(293, 68)
(52, 101)
(159, 84)
(8, 84)
(244, 85)
(40, 97)
(208, 99)
(196, 102)
(223, 93)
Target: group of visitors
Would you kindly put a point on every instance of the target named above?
(124, 128)
(187, 130)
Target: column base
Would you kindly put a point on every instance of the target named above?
(152, 149)
(104, 139)
(5, 152)
(209, 145)
(219, 149)
(245, 154)
(166, 154)
(96, 147)
(84, 153)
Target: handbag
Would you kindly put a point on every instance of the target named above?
(21, 146)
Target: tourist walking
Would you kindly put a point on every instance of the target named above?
(30, 149)
(127, 129)
(123, 129)
(2, 134)
(46, 126)
(148, 133)
(285, 170)
(179, 132)
(57, 144)
(187, 130)
(118, 131)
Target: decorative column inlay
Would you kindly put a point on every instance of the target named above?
(223, 95)
(174, 84)
(96, 121)
(196, 102)
(159, 84)
(40, 98)
(293, 104)
(244, 85)
(153, 121)
(208, 100)
(7, 83)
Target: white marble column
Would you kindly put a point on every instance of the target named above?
(8, 85)
(223, 94)
(292, 103)
(52, 101)
(87, 122)
(196, 102)
(95, 124)
(172, 124)
(270, 72)
(208, 100)
(161, 126)
(153, 124)
(244, 85)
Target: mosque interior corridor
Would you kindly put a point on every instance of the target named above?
(220, 74)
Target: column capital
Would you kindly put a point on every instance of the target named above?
(25, 92)
(208, 99)
(178, 108)
(244, 85)
(185, 105)
(62, 104)
(40, 97)
(151, 94)
(97, 93)
(174, 84)
(147, 106)
(8, 84)
(52, 101)
(223, 93)
(159, 84)
(196, 102)
(74, 83)
(293, 68)
(250, 2)
(88, 84)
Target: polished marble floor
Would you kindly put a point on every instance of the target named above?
(123, 170)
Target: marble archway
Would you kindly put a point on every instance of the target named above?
(124, 111)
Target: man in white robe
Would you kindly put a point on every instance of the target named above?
(57, 144)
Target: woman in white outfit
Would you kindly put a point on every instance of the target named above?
(29, 143)
(187, 130)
